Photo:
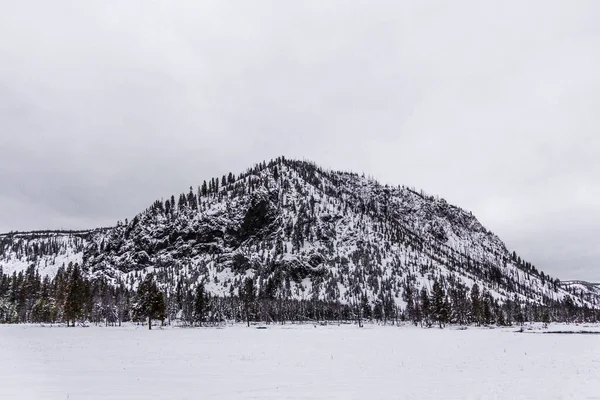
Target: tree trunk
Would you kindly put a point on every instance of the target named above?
(360, 324)
(149, 322)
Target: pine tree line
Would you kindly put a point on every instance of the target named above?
(72, 298)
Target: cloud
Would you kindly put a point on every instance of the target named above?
(106, 106)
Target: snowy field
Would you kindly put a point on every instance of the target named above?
(296, 362)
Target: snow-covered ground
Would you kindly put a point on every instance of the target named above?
(295, 362)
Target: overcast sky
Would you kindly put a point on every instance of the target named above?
(106, 106)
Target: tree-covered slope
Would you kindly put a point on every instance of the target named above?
(45, 250)
(305, 234)
(316, 233)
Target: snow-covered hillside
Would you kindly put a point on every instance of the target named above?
(46, 251)
(303, 233)
(582, 289)
(311, 233)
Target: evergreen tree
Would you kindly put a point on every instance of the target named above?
(546, 317)
(199, 304)
(440, 305)
(248, 296)
(447, 311)
(191, 200)
(410, 304)
(378, 310)
(73, 309)
(476, 307)
(151, 300)
(425, 307)
(486, 308)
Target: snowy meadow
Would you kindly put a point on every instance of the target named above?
(296, 362)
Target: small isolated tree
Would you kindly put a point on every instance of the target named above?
(152, 302)
(248, 296)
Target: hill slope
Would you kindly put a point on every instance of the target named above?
(308, 234)
(47, 251)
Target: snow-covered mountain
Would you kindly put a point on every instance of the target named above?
(304, 233)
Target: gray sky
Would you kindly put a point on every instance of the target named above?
(106, 106)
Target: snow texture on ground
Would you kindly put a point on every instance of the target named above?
(295, 362)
